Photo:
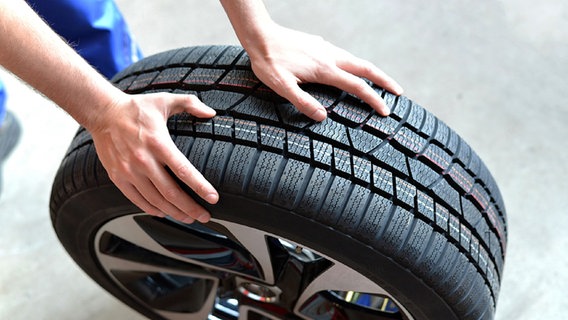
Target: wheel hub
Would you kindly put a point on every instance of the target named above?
(259, 292)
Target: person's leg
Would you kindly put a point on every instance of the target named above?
(9, 131)
(95, 28)
(2, 102)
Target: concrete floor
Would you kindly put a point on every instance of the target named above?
(495, 71)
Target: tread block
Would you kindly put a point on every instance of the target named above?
(221, 100)
(238, 166)
(362, 169)
(223, 126)
(202, 55)
(199, 153)
(416, 243)
(375, 218)
(203, 78)
(315, 193)
(342, 161)
(335, 200)
(381, 125)
(461, 178)
(429, 125)
(143, 81)
(428, 262)
(383, 180)
(401, 109)
(405, 191)
(354, 208)
(422, 173)
(332, 130)
(291, 117)
(125, 83)
(229, 56)
(179, 56)
(215, 165)
(410, 140)
(264, 176)
(352, 113)
(240, 79)
(425, 206)
(290, 184)
(362, 140)
(298, 144)
(392, 157)
(395, 232)
(257, 109)
(246, 130)
(442, 217)
(450, 196)
(204, 126)
(171, 76)
(416, 116)
(272, 136)
(442, 133)
(322, 152)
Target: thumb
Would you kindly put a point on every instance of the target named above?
(191, 104)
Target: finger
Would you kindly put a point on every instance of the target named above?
(366, 69)
(175, 196)
(302, 100)
(189, 175)
(190, 104)
(149, 190)
(138, 200)
(358, 87)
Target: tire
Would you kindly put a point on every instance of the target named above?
(356, 217)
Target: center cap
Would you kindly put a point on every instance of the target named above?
(259, 292)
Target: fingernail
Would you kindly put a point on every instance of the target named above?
(188, 220)
(211, 109)
(385, 108)
(397, 89)
(320, 114)
(212, 198)
(204, 218)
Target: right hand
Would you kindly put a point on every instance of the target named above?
(135, 147)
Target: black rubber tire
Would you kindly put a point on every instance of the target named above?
(401, 199)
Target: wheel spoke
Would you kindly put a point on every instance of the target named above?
(195, 243)
(245, 312)
(173, 300)
(129, 230)
(255, 242)
(341, 278)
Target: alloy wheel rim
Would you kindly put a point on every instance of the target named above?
(224, 270)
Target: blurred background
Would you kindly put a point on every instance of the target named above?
(494, 71)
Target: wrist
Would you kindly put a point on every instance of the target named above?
(105, 106)
(251, 23)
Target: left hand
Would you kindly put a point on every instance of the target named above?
(288, 58)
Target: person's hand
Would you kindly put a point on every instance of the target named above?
(135, 148)
(286, 58)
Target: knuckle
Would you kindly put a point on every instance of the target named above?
(172, 194)
(360, 86)
(184, 172)
(366, 67)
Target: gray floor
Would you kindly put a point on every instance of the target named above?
(495, 71)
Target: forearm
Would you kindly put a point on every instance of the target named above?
(37, 55)
(250, 20)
